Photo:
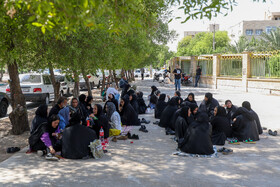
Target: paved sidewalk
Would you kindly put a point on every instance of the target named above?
(149, 161)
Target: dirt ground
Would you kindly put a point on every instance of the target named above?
(149, 161)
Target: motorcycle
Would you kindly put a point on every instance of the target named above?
(156, 77)
(186, 80)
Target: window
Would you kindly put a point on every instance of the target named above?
(30, 79)
(46, 79)
(249, 32)
(259, 31)
(270, 28)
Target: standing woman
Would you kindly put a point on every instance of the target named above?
(127, 113)
(100, 120)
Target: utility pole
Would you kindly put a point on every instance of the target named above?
(214, 36)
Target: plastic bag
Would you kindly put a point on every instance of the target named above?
(96, 149)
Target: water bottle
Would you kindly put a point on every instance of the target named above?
(101, 135)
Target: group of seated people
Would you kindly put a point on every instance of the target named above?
(198, 128)
(70, 128)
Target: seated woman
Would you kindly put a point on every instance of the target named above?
(41, 116)
(127, 113)
(244, 126)
(194, 109)
(89, 102)
(45, 138)
(197, 139)
(76, 138)
(221, 128)
(178, 94)
(100, 120)
(247, 105)
(134, 103)
(167, 114)
(83, 108)
(190, 98)
(112, 90)
(154, 99)
(182, 122)
(141, 103)
(160, 106)
(208, 105)
(111, 98)
(64, 115)
(230, 109)
(113, 116)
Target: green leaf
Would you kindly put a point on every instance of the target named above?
(43, 29)
(85, 3)
(31, 18)
(37, 24)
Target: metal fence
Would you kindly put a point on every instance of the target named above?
(231, 66)
(265, 65)
(206, 65)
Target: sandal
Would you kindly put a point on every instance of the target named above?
(272, 133)
(143, 129)
(234, 142)
(13, 149)
(249, 141)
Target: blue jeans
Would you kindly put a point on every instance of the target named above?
(197, 77)
(178, 84)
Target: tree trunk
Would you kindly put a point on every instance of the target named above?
(132, 75)
(115, 78)
(87, 83)
(103, 81)
(151, 71)
(76, 91)
(56, 84)
(19, 116)
(122, 72)
(2, 66)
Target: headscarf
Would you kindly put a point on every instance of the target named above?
(126, 100)
(174, 101)
(99, 110)
(221, 111)
(157, 92)
(184, 112)
(65, 113)
(246, 105)
(71, 103)
(209, 96)
(111, 108)
(154, 88)
(75, 120)
(53, 118)
(202, 117)
(193, 106)
(191, 95)
(130, 92)
(178, 93)
(162, 97)
(42, 111)
(140, 95)
(82, 98)
(89, 98)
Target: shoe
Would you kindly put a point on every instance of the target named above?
(272, 133)
(143, 129)
(13, 149)
(156, 123)
(114, 139)
(135, 137)
(227, 151)
(264, 128)
(128, 135)
(122, 138)
(51, 157)
(144, 121)
(169, 132)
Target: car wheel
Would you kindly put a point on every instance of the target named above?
(47, 99)
(3, 108)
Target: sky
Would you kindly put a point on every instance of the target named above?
(245, 10)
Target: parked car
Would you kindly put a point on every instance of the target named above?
(160, 72)
(35, 87)
(4, 104)
(137, 73)
(66, 84)
(93, 80)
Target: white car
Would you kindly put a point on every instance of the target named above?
(137, 73)
(93, 80)
(66, 84)
(35, 87)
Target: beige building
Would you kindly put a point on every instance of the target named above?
(210, 28)
(255, 28)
